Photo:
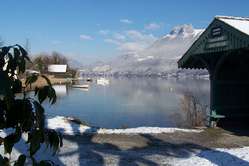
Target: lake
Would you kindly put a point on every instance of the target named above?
(133, 102)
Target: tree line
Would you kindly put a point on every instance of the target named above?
(41, 62)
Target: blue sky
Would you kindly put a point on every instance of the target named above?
(89, 30)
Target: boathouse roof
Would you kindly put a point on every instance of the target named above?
(240, 23)
(224, 33)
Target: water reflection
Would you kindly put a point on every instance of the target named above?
(132, 102)
(61, 90)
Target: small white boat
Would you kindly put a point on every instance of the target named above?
(85, 86)
(103, 81)
(84, 89)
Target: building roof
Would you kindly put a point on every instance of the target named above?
(224, 33)
(240, 23)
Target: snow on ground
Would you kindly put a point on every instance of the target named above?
(77, 152)
(219, 157)
(65, 126)
(74, 154)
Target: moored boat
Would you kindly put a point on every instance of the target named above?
(85, 86)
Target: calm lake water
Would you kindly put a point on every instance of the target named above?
(131, 102)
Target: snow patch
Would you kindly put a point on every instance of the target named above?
(68, 127)
(219, 156)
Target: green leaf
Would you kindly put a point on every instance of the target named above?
(10, 140)
(2, 62)
(53, 140)
(46, 163)
(16, 52)
(43, 93)
(52, 95)
(26, 115)
(31, 79)
(5, 84)
(24, 52)
(40, 117)
(46, 92)
(4, 161)
(17, 86)
(22, 65)
(20, 161)
(8, 146)
(5, 50)
(1, 160)
(35, 139)
(36, 90)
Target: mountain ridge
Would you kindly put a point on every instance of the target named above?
(159, 58)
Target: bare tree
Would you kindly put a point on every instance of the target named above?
(194, 110)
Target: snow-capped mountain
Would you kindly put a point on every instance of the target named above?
(160, 57)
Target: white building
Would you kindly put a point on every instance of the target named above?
(57, 68)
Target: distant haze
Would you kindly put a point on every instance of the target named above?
(161, 56)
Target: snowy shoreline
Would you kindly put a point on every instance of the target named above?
(77, 152)
(67, 127)
(205, 157)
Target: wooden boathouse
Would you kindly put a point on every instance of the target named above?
(223, 49)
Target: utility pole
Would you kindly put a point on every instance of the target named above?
(27, 46)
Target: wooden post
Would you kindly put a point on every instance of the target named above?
(212, 90)
(212, 123)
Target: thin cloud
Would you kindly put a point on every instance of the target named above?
(119, 36)
(131, 47)
(131, 41)
(126, 21)
(112, 41)
(153, 26)
(86, 37)
(104, 32)
(139, 36)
